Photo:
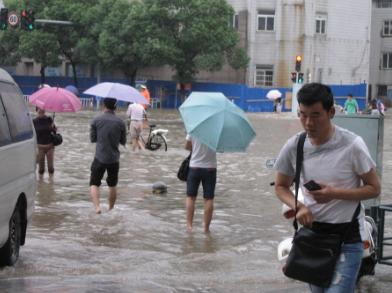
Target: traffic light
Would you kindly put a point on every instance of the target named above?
(294, 77)
(3, 19)
(27, 20)
(298, 60)
(23, 20)
(30, 20)
(300, 77)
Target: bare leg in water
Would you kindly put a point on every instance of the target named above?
(94, 190)
(112, 197)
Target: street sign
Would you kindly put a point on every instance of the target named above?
(13, 18)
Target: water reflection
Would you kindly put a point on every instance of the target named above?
(142, 245)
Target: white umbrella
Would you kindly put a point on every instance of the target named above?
(273, 95)
(119, 91)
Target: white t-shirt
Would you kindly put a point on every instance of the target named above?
(136, 112)
(202, 155)
(338, 162)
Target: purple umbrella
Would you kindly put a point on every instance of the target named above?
(119, 91)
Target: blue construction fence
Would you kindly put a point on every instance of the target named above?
(170, 96)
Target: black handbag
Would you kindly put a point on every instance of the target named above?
(182, 173)
(313, 256)
(57, 139)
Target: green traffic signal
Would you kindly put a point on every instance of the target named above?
(27, 20)
(300, 77)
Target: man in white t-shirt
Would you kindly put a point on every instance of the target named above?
(137, 114)
(339, 161)
(202, 169)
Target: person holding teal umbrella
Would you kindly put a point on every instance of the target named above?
(213, 124)
(202, 169)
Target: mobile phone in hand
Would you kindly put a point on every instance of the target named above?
(312, 185)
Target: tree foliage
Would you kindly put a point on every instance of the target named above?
(188, 35)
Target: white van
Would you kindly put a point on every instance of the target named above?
(17, 169)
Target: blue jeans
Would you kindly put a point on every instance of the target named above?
(346, 270)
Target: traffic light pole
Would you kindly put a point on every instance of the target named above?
(52, 21)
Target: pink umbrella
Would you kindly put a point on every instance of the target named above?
(55, 99)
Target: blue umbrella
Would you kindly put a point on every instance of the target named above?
(217, 122)
(73, 89)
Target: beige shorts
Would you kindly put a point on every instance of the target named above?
(136, 129)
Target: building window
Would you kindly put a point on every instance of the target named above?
(264, 75)
(387, 60)
(235, 21)
(387, 29)
(29, 68)
(320, 24)
(265, 20)
(384, 3)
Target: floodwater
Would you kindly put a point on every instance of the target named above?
(142, 245)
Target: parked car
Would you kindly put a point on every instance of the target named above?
(17, 169)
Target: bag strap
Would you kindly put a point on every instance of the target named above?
(298, 166)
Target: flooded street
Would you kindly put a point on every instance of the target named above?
(142, 245)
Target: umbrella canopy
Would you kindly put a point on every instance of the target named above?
(119, 91)
(73, 89)
(55, 99)
(217, 122)
(274, 94)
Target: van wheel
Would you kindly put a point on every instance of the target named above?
(9, 253)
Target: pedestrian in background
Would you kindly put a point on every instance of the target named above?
(351, 105)
(339, 162)
(44, 126)
(107, 131)
(202, 169)
(146, 93)
(137, 116)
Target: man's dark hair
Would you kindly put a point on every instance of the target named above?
(110, 103)
(350, 95)
(312, 93)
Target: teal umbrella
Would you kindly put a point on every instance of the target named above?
(217, 122)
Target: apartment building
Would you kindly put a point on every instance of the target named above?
(380, 82)
(332, 36)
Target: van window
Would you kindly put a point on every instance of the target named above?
(5, 136)
(18, 116)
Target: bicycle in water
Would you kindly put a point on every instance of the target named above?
(156, 139)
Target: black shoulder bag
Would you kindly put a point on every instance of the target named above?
(313, 256)
(182, 173)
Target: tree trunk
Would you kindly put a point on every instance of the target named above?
(130, 75)
(75, 78)
(42, 72)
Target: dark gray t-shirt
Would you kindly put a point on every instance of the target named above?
(107, 131)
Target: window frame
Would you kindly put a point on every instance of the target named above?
(387, 23)
(323, 25)
(235, 21)
(386, 61)
(264, 75)
(17, 114)
(266, 15)
(384, 4)
(5, 134)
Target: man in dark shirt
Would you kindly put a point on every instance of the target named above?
(107, 131)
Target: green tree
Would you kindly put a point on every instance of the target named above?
(9, 41)
(201, 36)
(42, 47)
(130, 38)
